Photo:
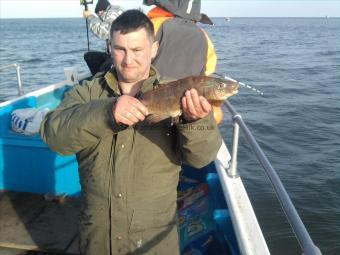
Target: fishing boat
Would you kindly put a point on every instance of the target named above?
(40, 189)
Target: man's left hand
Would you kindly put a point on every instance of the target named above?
(194, 106)
(86, 13)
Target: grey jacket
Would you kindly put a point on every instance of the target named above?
(186, 9)
(100, 26)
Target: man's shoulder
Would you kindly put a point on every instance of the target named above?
(115, 7)
(114, 11)
(99, 86)
(99, 75)
(95, 80)
(179, 29)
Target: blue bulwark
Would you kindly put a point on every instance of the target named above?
(26, 163)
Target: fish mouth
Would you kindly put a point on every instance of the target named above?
(226, 89)
(234, 88)
(230, 86)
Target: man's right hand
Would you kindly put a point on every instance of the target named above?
(128, 110)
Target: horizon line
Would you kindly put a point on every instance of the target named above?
(223, 17)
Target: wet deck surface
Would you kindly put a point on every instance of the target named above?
(29, 222)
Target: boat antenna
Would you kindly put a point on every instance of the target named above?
(240, 83)
(85, 3)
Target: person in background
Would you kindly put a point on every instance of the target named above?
(129, 171)
(184, 48)
(100, 26)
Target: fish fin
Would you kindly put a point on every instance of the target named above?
(154, 118)
(217, 103)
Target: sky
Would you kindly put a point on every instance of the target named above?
(214, 8)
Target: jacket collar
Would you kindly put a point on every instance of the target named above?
(158, 12)
(111, 79)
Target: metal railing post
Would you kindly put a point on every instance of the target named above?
(301, 233)
(20, 89)
(17, 69)
(232, 171)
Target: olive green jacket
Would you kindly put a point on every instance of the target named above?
(128, 175)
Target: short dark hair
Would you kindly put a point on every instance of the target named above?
(132, 20)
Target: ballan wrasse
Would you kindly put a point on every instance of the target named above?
(165, 101)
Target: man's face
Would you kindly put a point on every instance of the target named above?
(132, 54)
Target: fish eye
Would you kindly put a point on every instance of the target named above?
(222, 86)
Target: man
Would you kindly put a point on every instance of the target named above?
(185, 49)
(100, 26)
(129, 171)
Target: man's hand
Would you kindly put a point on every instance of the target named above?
(86, 13)
(194, 106)
(128, 110)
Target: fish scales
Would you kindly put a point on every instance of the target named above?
(165, 101)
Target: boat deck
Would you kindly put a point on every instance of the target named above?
(30, 222)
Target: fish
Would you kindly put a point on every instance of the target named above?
(165, 101)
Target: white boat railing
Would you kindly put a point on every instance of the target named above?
(248, 233)
(302, 235)
(17, 69)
